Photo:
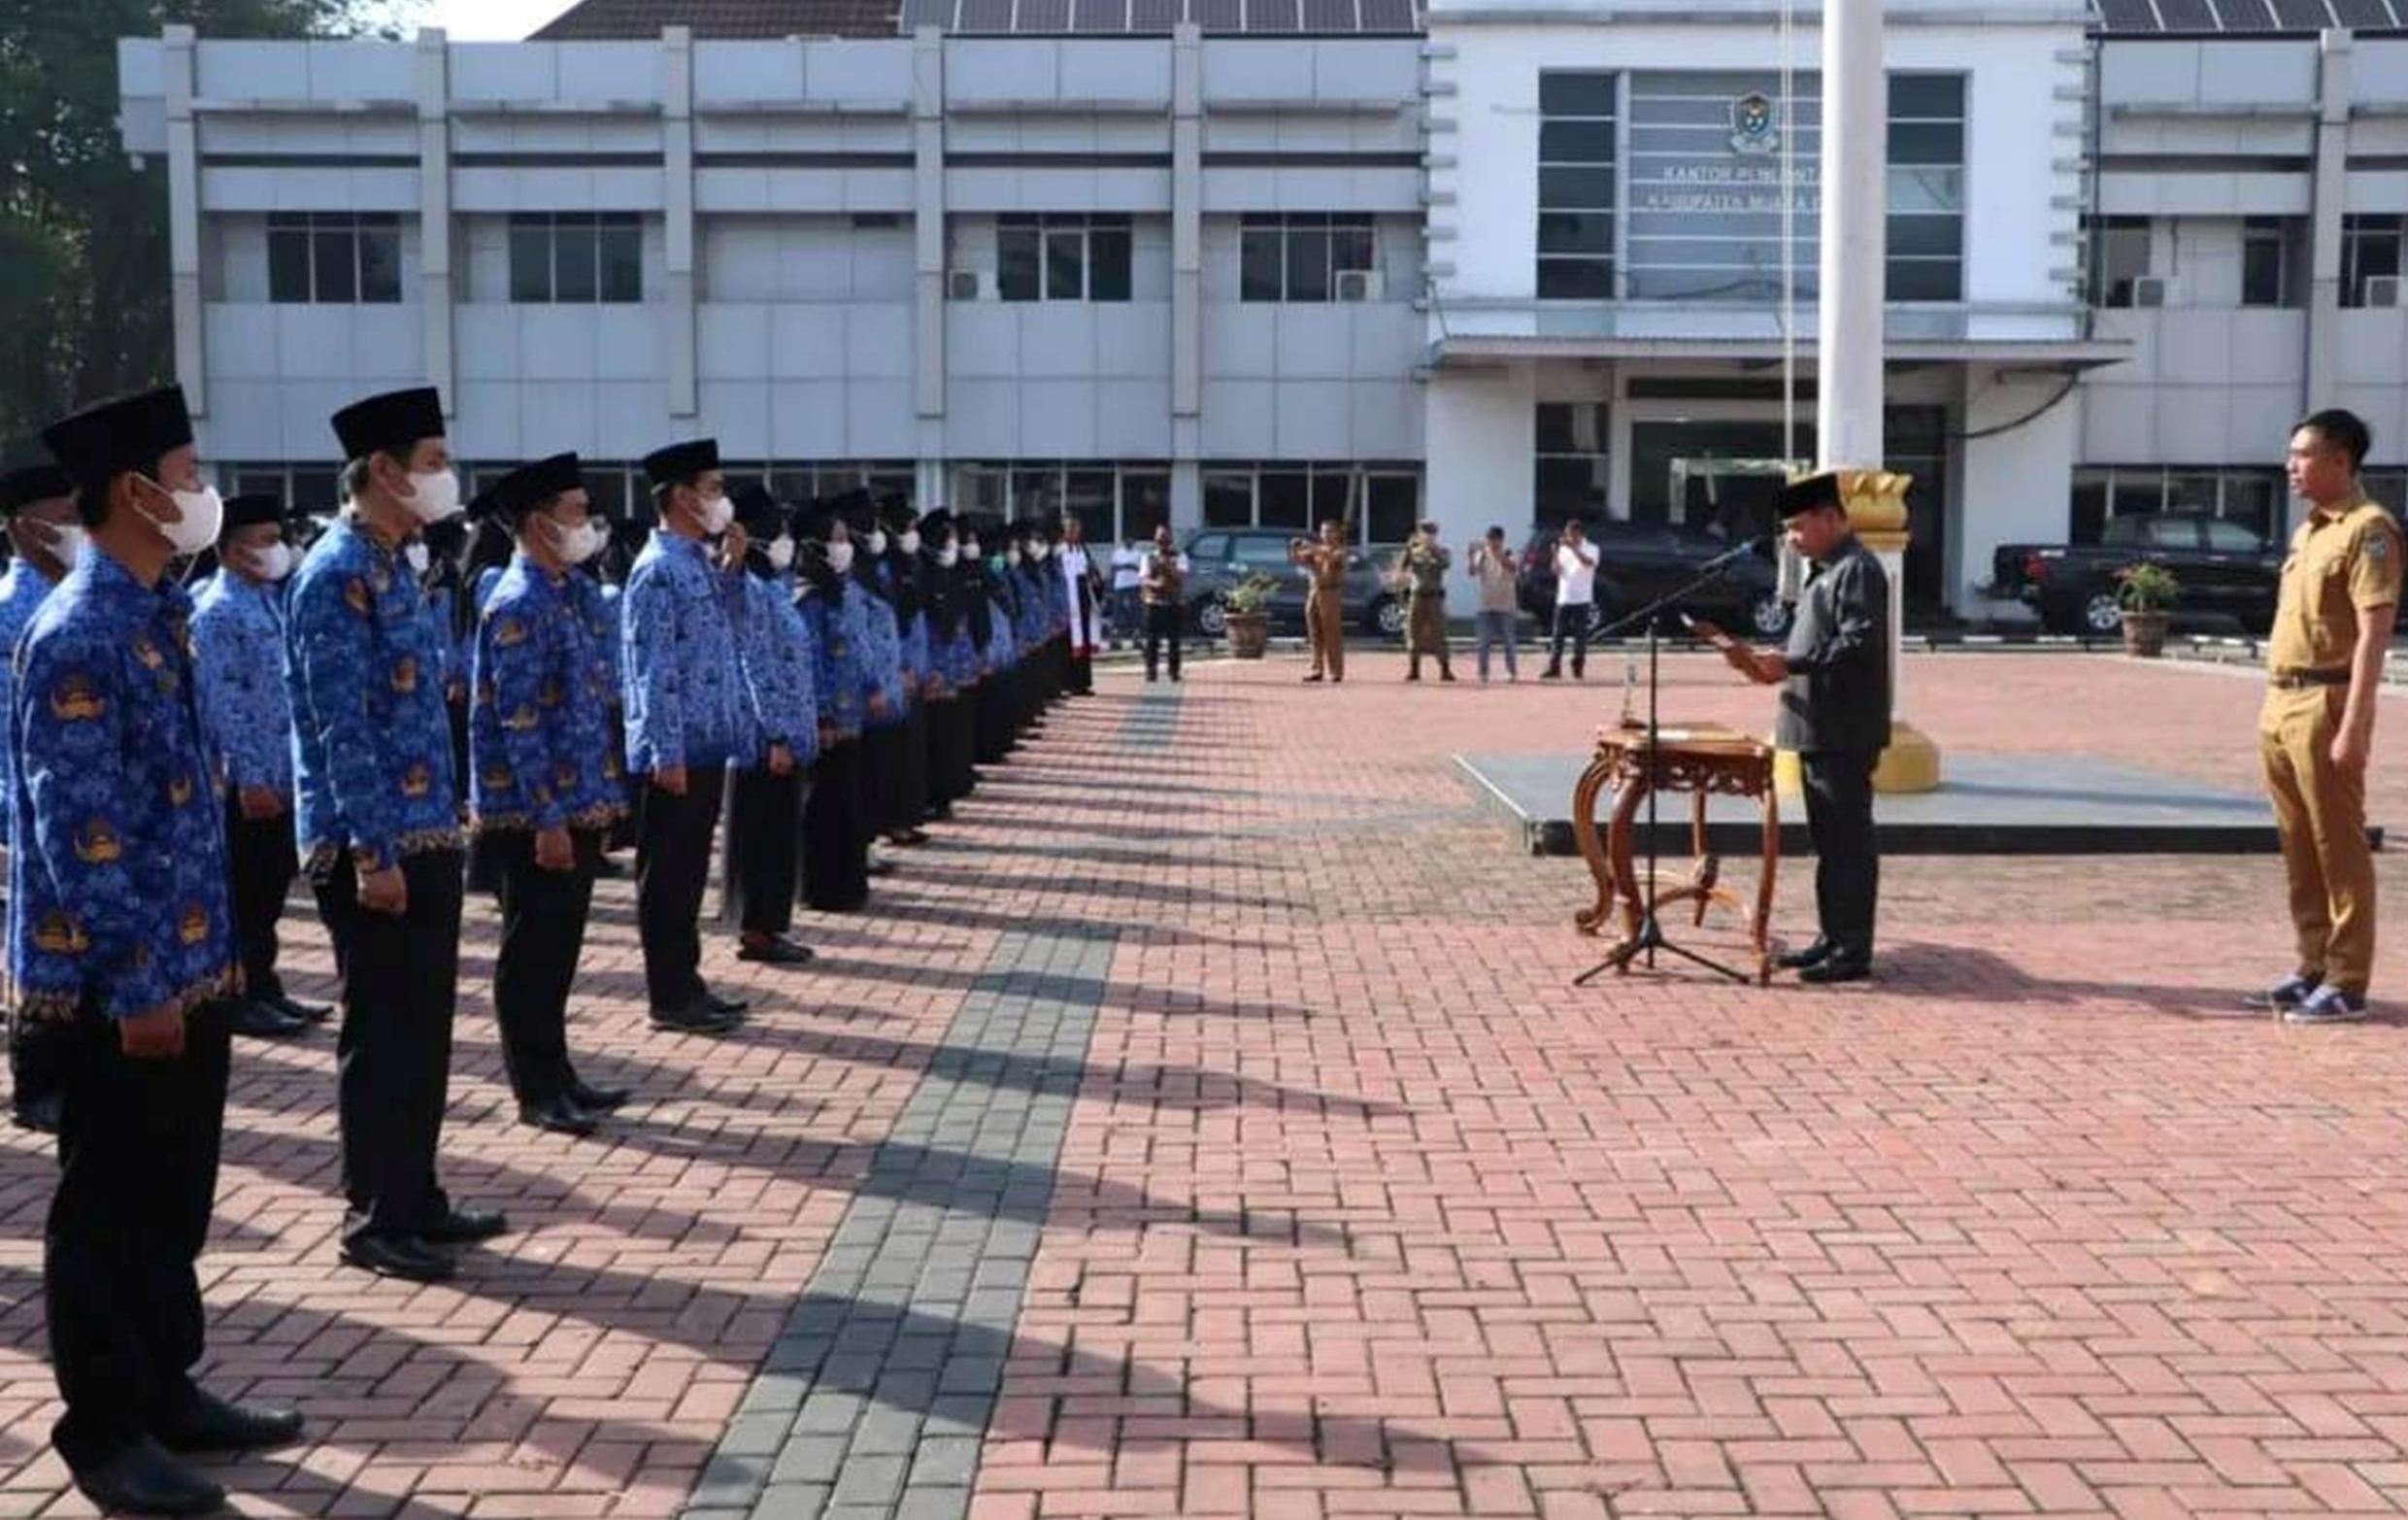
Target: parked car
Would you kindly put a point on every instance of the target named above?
(1642, 563)
(1219, 557)
(2224, 567)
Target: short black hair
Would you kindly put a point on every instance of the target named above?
(2343, 430)
(1496, 530)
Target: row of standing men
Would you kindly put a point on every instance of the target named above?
(822, 677)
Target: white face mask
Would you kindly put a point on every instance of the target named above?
(949, 555)
(579, 544)
(910, 542)
(1044, 551)
(840, 557)
(877, 542)
(1012, 557)
(273, 562)
(781, 552)
(67, 542)
(971, 549)
(434, 497)
(716, 513)
(415, 556)
(196, 529)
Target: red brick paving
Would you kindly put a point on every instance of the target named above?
(1365, 1211)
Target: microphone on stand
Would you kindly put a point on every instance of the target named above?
(1738, 552)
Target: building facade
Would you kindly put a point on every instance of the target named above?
(1212, 263)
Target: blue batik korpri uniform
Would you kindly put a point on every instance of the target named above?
(21, 593)
(894, 789)
(540, 725)
(238, 639)
(685, 699)
(836, 820)
(778, 655)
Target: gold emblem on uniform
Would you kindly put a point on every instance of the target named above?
(497, 778)
(60, 934)
(542, 796)
(508, 632)
(96, 843)
(72, 700)
(355, 595)
(381, 578)
(550, 695)
(564, 775)
(487, 692)
(180, 790)
(192, 926)
(406, 674)
(520, 720)
(610, 765)
(149, 655)
(417, 781)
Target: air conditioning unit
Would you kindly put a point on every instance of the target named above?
(2155, 290)
(2384, 291)
(1359, 284)
(969, 285)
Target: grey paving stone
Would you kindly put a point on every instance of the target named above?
(792, 1501)
(935, 1504)
(871, 1480)
(945, 1460)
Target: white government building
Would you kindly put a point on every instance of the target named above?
(1264, 261)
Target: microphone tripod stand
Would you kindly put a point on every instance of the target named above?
(1651, 937)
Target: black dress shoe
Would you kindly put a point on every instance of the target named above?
(1836, 968)
(879, 869)
(1799, 959)
(38, 1113)
(942, 813)
(142, 1479)
(779, 951)
(695, 1017)
(406, 1256)
(558, 1115)
(909, 838)
(210, 1423)
(466, 1225)
(258, 1019)
(305, 1012)
(599, 1100)
(724, 1007)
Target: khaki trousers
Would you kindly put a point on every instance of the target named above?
(2321, 814)
(1325, 621)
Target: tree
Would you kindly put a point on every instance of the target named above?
(83, 307)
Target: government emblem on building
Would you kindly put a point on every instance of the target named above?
(1755, 125)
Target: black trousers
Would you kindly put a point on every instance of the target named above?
(261, 862)
(951, 732)
(894, 773)
(137, 1180)
(672, 873)
(1165, 623)
(764, 853)
(1571, 623)
(543, 933)
(836, 877)
(1839, 816)
(34, 1057)
(993, 731)
(400, 976)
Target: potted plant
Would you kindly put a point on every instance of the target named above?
(1248, 623)
(2147, 593)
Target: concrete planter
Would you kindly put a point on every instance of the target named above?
(2144, 633)
(1250, 634)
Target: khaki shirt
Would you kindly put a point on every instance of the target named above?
(2342, 558)
(1325, 566)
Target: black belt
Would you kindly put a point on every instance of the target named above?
(2301, 680)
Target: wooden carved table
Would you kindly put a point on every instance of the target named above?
(1705, 760)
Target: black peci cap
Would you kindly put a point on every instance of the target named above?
(249, 510)
(1809, 493)
(394, 420)
(34, 483)
(894, 511)
(531, 486)
(681, 463)
(129, 433)
(758, 511)
(815, 518)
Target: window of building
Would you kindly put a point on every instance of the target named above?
(798, 481)
(2246, 506)
(1062, 257)
(1112, 501)
(2271, 259)
(575, 258)
(334, 259)
(1300, 255)
(1577, 147)
(2370, 250)
(2119, 258)
(1571, 477)
(2389, 487)
(1379, 502)
(1926, 187)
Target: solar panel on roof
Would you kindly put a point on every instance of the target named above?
(2363, 13)
(2245, 16)
(927, 12)
(1389, 16)
(1218, 15)
(2187, 16)
(1330, 16)
(2127, 15)
(1153, 15)
(1042, 16)
(1270, 16)
(1099, 16)
(2308, 15)
(986, 16)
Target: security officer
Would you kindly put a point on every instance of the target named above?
(1423, 564)
(38, 503)
(2333, 623)
(545, 785)
(1835, 680)
(120, 935)
(379, 827)
(685, 722)
(238, 652)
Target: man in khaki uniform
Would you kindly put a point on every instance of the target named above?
(1422, 566)
(1325, 607)
(2325, 669)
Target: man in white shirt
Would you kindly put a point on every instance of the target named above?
(1127, 578)
(1576, 595)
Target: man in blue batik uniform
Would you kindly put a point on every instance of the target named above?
(379, 829)
(775, 653)
(39, 505)
(119, 934)
(685, 722)
(238, 650)
(545, 785)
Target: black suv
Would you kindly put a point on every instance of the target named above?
(1219, 559)
(1639, 562)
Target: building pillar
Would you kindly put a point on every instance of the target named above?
(2328, 200)
(1186, 246)
(1850, 337)
(1186, 495)
(676, 160)
(183, 216)
(928, 261)
(435, 291)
